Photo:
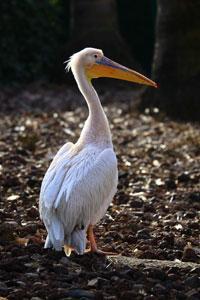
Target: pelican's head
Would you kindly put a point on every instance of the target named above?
(96, 65)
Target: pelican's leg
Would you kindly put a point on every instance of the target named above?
(91, 237)
(93, 244)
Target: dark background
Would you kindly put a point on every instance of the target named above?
(34, 34)
(159, 38)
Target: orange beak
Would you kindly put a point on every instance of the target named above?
(105, 67)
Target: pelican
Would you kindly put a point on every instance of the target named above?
(81, 181)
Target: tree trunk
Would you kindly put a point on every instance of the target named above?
(94, 23)
(176, 65)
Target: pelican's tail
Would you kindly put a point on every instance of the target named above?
(55, 236)
(76, 242)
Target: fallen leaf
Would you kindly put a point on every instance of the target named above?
(92, 282)
(22, 241)
(13, 197)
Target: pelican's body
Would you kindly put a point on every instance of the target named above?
(82, 179)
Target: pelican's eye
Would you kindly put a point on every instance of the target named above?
(95, 56)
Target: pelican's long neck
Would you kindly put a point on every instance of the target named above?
(96, 129)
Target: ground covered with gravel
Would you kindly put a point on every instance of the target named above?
(155, 214)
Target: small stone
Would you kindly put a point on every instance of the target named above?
(37, 284)
(2, 285)
(138, 286)
(80, 293)
(127, 295)
(114, 278)
(122, 198)
(143, 234)
(98, 281)
(123, 174)
(170, 184)
(64, 260)
(13, 224)
(149, 208)
(4, 290)
(155, 273)
(93, 282)
(189, 254)
(32, 275)
(159, 289)
(138, 253)
(159, 182)
(172, 276)
(13, 197)
(18, 294)
(33, 212)
(190, 214)
(150, 297)
(193, 294)
(170, 239)
(131, 238)
(193, 281)
(194, 197)
(136, 203)
(21, 283)
(184, 177)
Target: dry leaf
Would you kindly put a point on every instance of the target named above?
(92, 282)
(22, 241)
(13, 197)
(38, 237)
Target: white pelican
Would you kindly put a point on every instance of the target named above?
(82, 179)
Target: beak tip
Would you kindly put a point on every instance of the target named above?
(156, 85)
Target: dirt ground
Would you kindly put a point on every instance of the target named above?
(154, 215)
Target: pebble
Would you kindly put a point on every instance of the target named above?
(170, 184)
(194, 197)
(159, 289)
(155, 273)
(37, 284)
(193, 294)
(149, 208)
(136, 203)
(3, 285)
(64, 260)
(4, 290)
(21, 283)
(127, 295)
(93, 282)
(80, 293)
(143, 234)
(33, 212)
(189, 254)
(131, 238)
(114, 278)
(150, 297)
(193, 281)
(32, 275)
(184, 177)
(190, 214)
(17, 294)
